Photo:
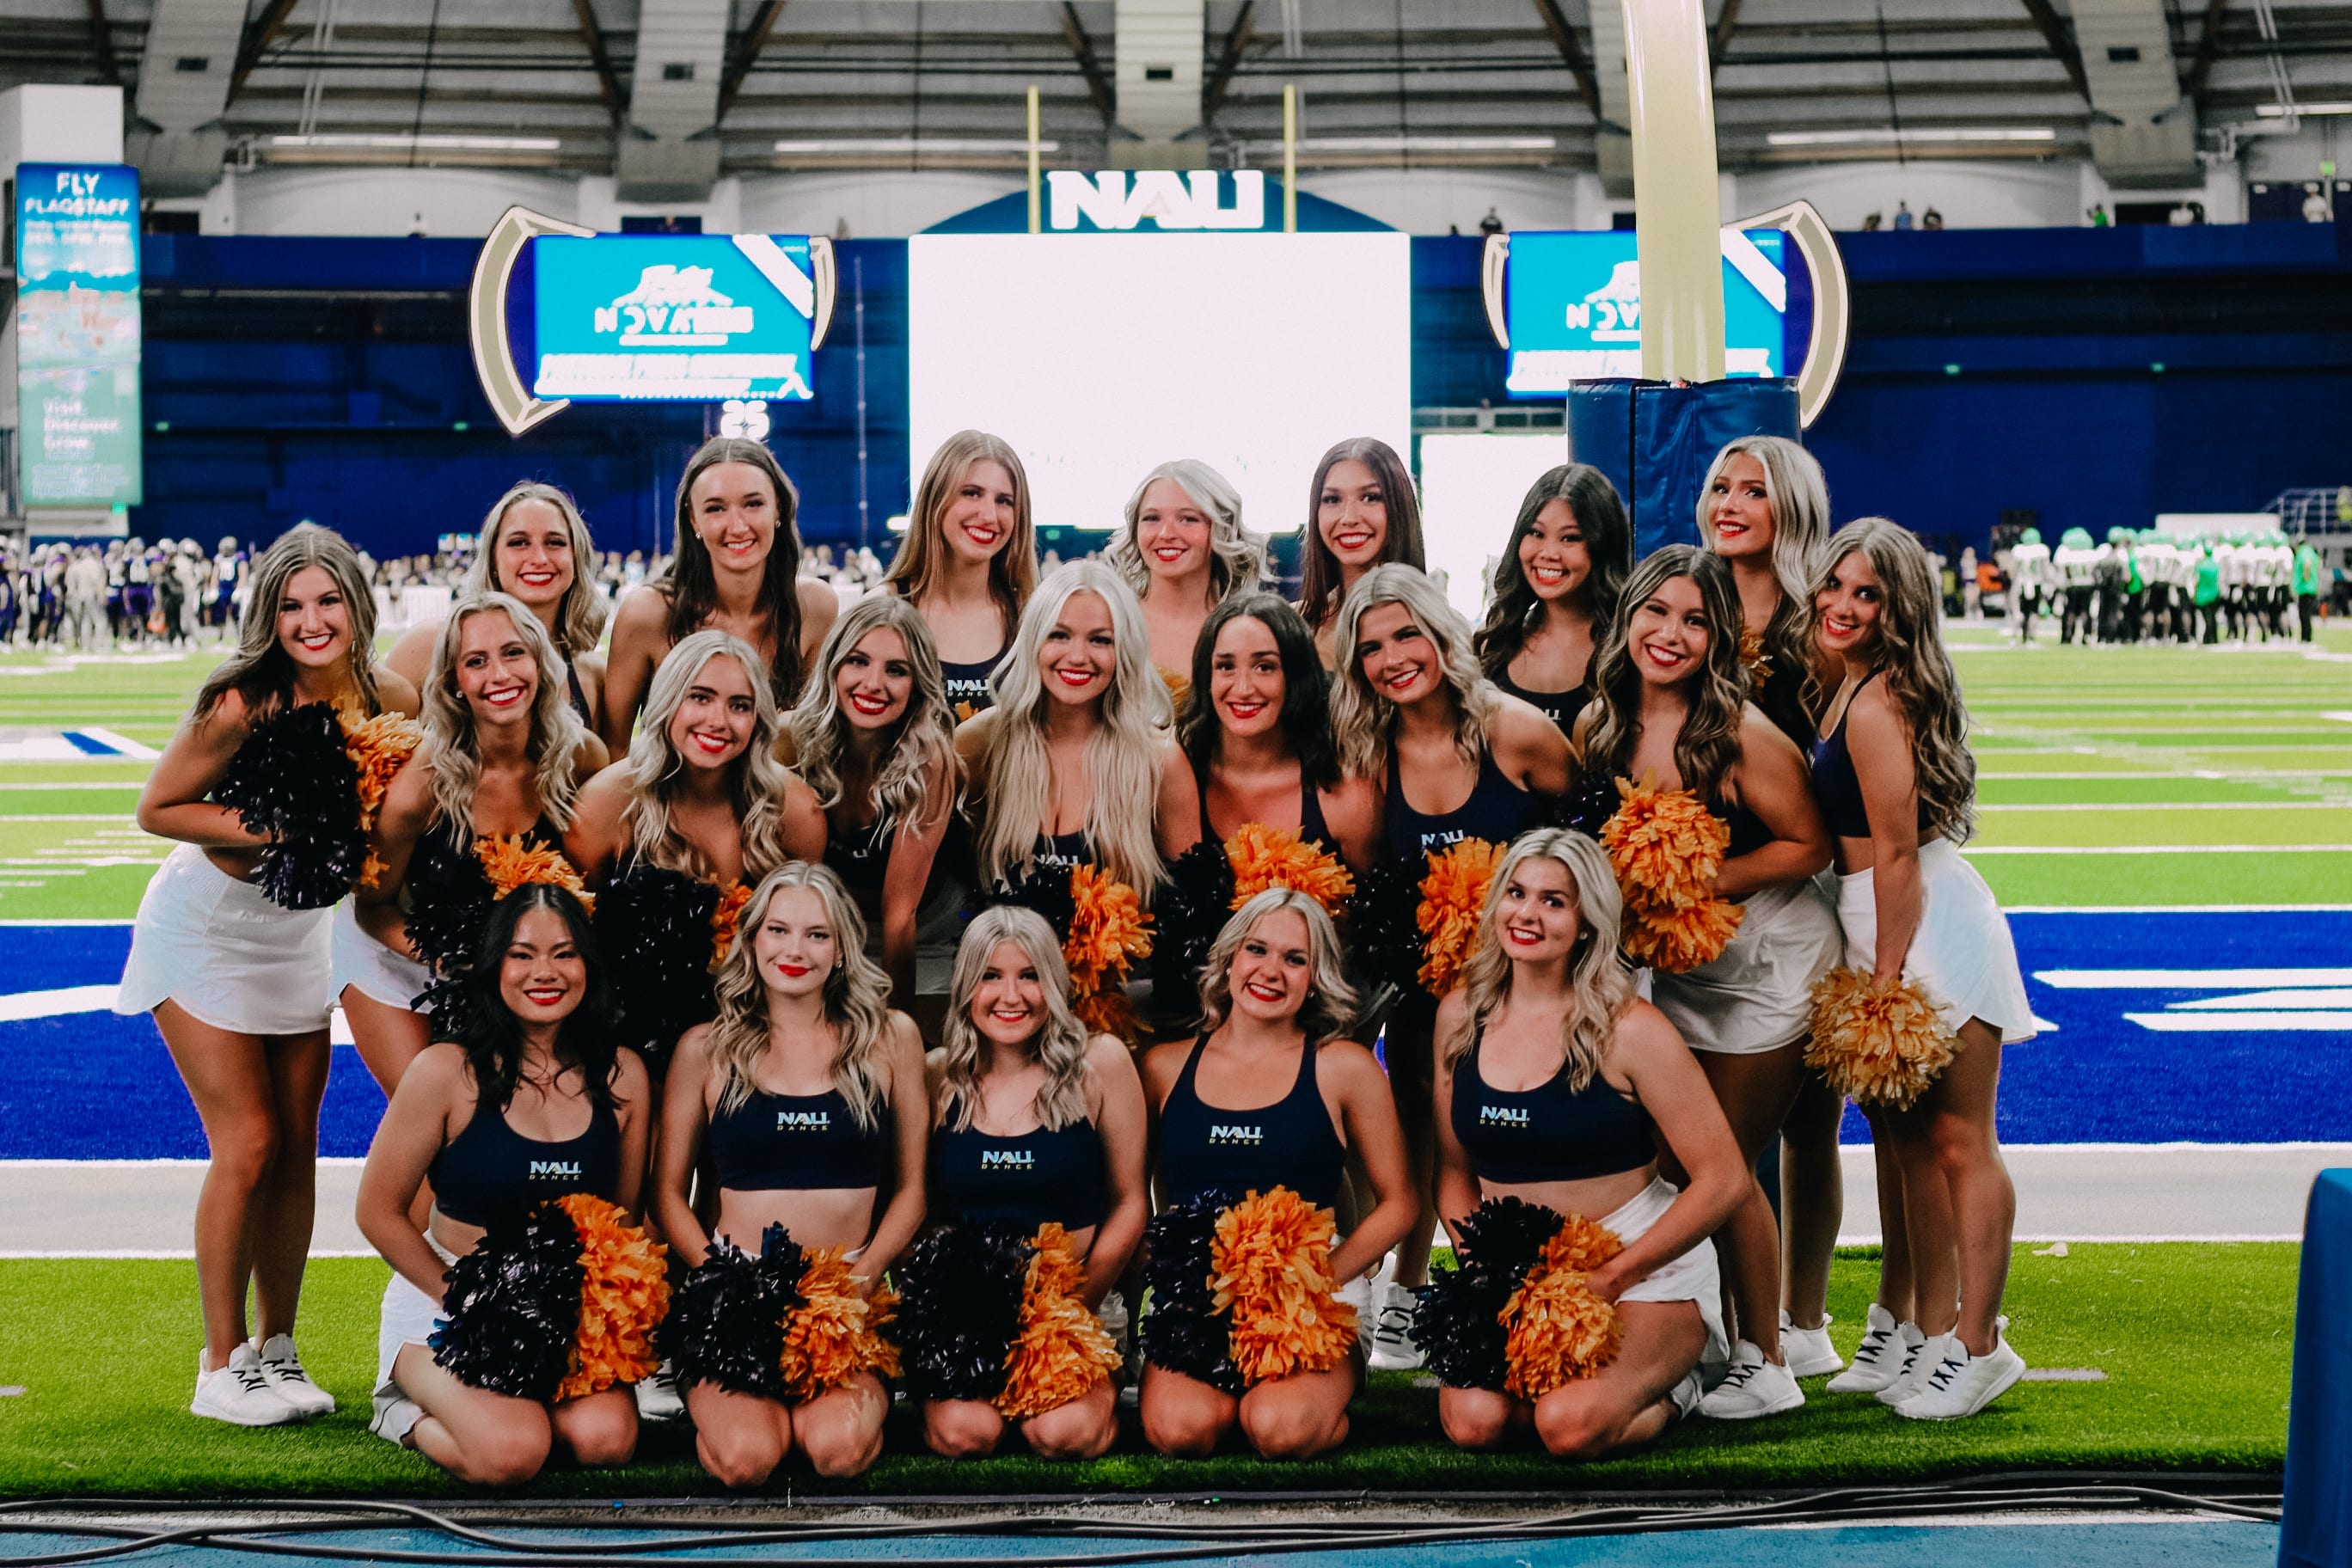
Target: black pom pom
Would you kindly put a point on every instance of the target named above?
(1455, 1323)
(1045, 889)
(1187, 913)
(292, 780)
(513, 1306)
(726, 1324)
(1183, 1330)
(1588, 806)
(653, 927)
(449, 902)
(1384, 946)
(959, 1292)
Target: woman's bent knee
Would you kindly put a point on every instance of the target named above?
(962, 1430)
(1290, 1432)
(504, 1458)
(739, 1458)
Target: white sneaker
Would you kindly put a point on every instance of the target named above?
(1918, 1361)
(286, 1379)
(1877, 1359)
(1392, 1346)
(1753, 1387)
(1961, 1384)
(1809, 1350)
(395, 1416)
(239, 1392)
(657, 1397)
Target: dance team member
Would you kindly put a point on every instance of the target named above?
(1455, 759)
(534, 1101)
(969, 561)
(1362, 511)
(1555, 588)
(1765, 509)
(1897, 785)
(1184, 552)
(1034, 1123)
(1271, 1095)
(1670, 711)
(503, 755)
(737, 571)
(807, 1094)
(238, 984)
(534, 546)
(874, 740)
(1557, 1086)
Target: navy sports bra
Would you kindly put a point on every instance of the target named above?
(1291, 1143)
(861, 856)
(967, 685)
(1498, 811)
(1834, 783)
(578, 695)
(1312, 828)
(491, 1175)
(1065, 851)
(1561, 707)
(1549, 1132)
(1050, 1174)
(800, 1143)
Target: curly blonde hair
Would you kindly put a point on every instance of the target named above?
(656, 770)
(918, 754)
(1600, 989)
(1363, 719)
(1331, 1002)
(452, 750)
(1059, 1044)
(1236, 556)
(856, 999)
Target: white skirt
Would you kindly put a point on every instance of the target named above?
(224, 953)
(1962, 955)
(1756, 994)
(1694, 1278)
(355, 958)
(408, 1316)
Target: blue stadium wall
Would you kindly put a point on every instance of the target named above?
(2090, 376)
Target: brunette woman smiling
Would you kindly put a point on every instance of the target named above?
(969, 562)
(1555, 588)
(1362, 510)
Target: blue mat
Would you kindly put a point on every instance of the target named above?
(92, 1085)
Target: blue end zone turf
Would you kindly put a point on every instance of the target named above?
(92, 1085)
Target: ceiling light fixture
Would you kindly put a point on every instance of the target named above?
(1420, 144)
(2289, 112)
(1889, 135)
(404, 140)
(904, 145)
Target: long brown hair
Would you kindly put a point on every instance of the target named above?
(692, 585)
(260, 671)
(1515, 611)
(1318, 584)
(1708, 744)
(1012, 573)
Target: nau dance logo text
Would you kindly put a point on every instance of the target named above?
(803, 1120)
(1501, 1116)
(1007, 1160)
(1220, 1133)
(555, 1170)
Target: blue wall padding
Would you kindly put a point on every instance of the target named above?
(1655, 440)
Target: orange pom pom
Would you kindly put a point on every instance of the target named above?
(624, 1294)
(1179, 686)
(1753, 659)
(1877, 1045)
(732, 898)
(834, 1333)
(1063, 1349)
(379, 747)
(1679, 940)
(510, 861)
(1265, 858)
(1664, 845)
(1108, 1012)
(1270, 1268)
(1451, 897)
(1107, 929)
(1556, 1329)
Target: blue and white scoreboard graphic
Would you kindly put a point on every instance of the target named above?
(78, 334)
(1573, 304)
(694, 318)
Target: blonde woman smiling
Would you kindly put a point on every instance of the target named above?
(1184, 552)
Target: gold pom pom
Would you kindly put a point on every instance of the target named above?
(1265, 858)
(1270, 1270)
(1179, 686)
(732, 899)
(1664, 845)
(1063, 1349)
(624, 1294)
(1107, 930)
(378, 747)
(1877, 1045)
(1451, 897)
(1108, 1012)
(1679, 940)
(1556, 1329)
(1753, 659)
(834, 1333)
(510, 861)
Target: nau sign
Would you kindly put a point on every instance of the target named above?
(1117, 201)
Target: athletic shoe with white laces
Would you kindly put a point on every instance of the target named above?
(239, 1392)
(286, 1379)
(1918, 1361)
(1809, 1350)
(1392, 1346)
(1877, 1359)
(657, 1397)
(1960, 1383)
(1753, 1387)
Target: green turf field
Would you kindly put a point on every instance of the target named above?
(110, 1412)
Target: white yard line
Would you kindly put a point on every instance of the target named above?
(2155, 848)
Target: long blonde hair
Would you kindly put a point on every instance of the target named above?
(856, 998)
(1363, 719)
(918, 754)
(260, 671)
(1015, 782)
(1799, 495)
(656, 770)
(1919, 674)
(922, 554)
(453, 750)
(1236, 556)
(580, 614)
(1330, 1005)
(1600, 989)
(1059, 1044)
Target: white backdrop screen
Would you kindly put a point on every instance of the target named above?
(1100, 356)
(1471, 486)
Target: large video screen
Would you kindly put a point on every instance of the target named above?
(1573, 304)
(705, 316)
(1100, 356)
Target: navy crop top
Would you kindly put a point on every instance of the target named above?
(1498, 811)
(967, 685)
(860, 856)
(801, 1142)
(1561, 707)
(1549, 1132)
(491, 1175)
(1062, 851)
(1312, 828)
(1049, 1174)
(1291, 1143)
(1834, 783)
